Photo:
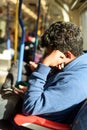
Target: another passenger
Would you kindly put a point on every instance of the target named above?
(11, 103)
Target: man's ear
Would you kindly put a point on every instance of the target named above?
(69, 55)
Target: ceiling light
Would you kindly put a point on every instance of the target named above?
(26, 10)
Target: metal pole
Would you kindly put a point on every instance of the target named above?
(22, 44)
(16, 32)
(8, 33)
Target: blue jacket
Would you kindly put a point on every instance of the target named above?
(52, 94)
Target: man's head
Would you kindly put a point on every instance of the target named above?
(63, 36)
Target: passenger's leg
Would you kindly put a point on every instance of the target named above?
(10, 104)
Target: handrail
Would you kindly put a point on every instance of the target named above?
(8, 33)
(16, 32)
(22, 43)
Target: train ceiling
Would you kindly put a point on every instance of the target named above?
(50, 8)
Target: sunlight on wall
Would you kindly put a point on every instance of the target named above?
(3, 27)
(65, 15)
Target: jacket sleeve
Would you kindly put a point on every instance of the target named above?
(34, 99)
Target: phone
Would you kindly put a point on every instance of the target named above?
(21, 83)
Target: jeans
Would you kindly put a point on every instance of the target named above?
(80, 122)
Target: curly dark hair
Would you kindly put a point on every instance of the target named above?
(64, 36)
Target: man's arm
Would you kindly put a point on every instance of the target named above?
(37, 98)
(34, 97)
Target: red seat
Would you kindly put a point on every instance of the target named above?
(25, 121)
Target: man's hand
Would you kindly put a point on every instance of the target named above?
(55, 59)
(21, 89)
(33, 65)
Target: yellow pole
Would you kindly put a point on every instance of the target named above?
(16, 32)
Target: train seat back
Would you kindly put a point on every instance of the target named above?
(39, 123)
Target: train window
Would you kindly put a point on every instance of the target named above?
(84, 28)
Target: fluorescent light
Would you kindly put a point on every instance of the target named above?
(29, 12)
(74, 4)
(26, 10)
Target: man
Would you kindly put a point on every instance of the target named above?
(57, 88)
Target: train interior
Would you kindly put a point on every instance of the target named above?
(36, 16)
